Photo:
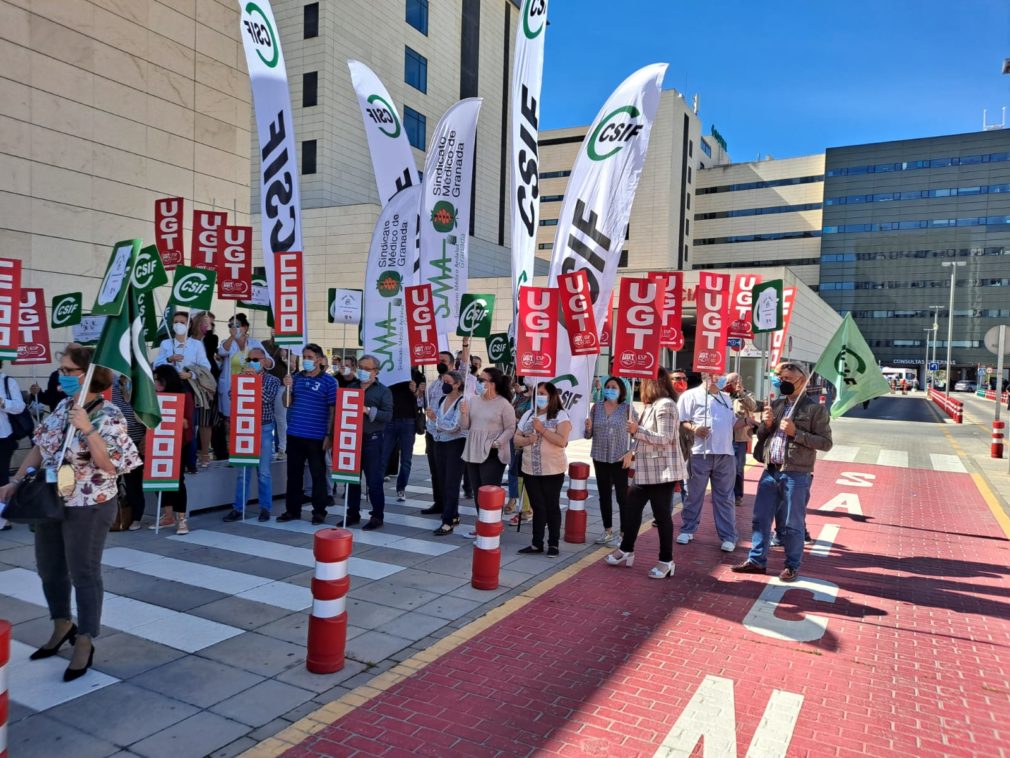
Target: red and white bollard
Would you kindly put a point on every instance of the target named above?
(578, 493)
(997, 439)
(328, 622)
(5, 656)
(487, 546)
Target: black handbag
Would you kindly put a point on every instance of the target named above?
(35, 501)
(22, 424)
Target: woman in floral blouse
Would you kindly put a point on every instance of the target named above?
(69, 552)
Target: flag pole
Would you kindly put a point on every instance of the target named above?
(157, 516)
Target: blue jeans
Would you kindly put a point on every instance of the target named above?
(720, 470)
(399, 433)
(740, 450)
(514, 462)
(373, 464)
(244, 481)
(782, 495)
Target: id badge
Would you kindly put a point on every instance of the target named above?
(50, 476)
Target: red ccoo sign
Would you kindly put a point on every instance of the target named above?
(163, 448)
(207, 227)
(33, 342)
(636, 333)
(711, 331)
(234, 263)
(422, 338)
(347, 425)
(577, 307)
(741, 306)
(168, 231)
(288, 327)
(10, 304)
(537, 345)
(670, 296)
(244, 431)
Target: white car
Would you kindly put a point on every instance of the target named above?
(965, 385)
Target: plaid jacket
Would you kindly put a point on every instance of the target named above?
(657, 445)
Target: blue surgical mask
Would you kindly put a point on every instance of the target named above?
(776, 382)
(479, 389)
(611, 394)
(254, 365)
(721, 382)
(70, 385)
(542, 401)
(364, 376)
(308, 365)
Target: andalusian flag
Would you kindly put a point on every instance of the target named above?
(848, 363)
(121, 349)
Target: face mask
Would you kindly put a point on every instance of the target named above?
(446, 388)
(473, 370)
(776, 382)
(480, 388)
(254, 365)
(680, 386)
(70, 385)
(721, 382)
(308, 365)
(346, 370)
(179, 329)
(205, 328)
(787, 388)
(364, 376)
(441, 368)
(542, 401)
(611, 394)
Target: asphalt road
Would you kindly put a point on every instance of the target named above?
(912, 407)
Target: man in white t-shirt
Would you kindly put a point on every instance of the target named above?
(708, 412)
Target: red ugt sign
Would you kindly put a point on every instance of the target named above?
(10, 304)
(164, 445)
(244, 433)
(537, 343)
(422, 339)
(577, 307)
(288, 326)
(33, 345)
(671, 291)
(741, 306)
(168, 231)
(234, 265)
(712, 329)
(206, 230)
(636, 336)
(347, 425)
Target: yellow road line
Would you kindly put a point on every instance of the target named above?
(991, 500)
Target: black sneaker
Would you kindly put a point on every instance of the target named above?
(807, 538)
(264, 516)
(373, 523)
(317, 520)
(233, 515)
(353, 519)
(285, 517)
(748, 568)
(531, 550)
(553, 552)
(431, 511)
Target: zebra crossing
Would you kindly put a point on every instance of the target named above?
(918, 458)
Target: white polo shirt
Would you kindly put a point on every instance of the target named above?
(716, 413)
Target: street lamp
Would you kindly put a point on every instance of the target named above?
(935, 309)
(954, 265)
(925, 367)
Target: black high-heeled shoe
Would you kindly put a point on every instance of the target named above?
(49, 652)
(71, 674)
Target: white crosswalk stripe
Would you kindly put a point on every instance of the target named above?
(896, 458)
(39, 685)
(842, 453)
(374, 539)
(947, 463)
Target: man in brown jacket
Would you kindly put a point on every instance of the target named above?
(744, 406)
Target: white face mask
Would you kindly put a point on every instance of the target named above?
(179, 329)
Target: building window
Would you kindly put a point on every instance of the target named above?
(417, 15)
(627, 232)
(310, 88)
(545, 246)
(690, 148)
(689, 172)
(311, 20)
(416, 127)
(685, 246)
(308, 156)
(687, 226)
(706, 149)
(623, 263)
(415, 69)
(688, 200)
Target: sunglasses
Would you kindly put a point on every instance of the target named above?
(790, 367)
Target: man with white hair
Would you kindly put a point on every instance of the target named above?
(743, 427)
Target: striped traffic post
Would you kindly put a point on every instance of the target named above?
(5, 656)
(487, 545)
(578, 493)
(997, 439)
(328, 621)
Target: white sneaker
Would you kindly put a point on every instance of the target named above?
(469, 534)
(727, 546)
(607, 538)
(683, 538)
(401, 496)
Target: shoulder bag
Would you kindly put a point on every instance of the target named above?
(22, 424)
(35, 501)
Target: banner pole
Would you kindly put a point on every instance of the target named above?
(157, 516)
(631, 404)
(346, 486)
(245, 490)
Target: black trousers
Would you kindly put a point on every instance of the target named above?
(660, 497)
(133, 481)
(302, 450)
(178, 501)
(449, 468)
(611, 476)
(7, 447)
(488, 472)
(436, 476)
(545, 500)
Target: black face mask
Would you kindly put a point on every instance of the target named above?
(787, 389)
(446, 388)
(441, 368)
(473, 370)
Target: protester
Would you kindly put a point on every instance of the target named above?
(791, 432)
(378, 410)
(235, 352)
(542, 434)
(744, 406)
(201, 329)
(181, 351)
(310, 397)
(521, 397)
(490, 423)
(659, 467)
(448, 439)
(175, 505)
(52, 395)
(346, 375)
(433, 399)
(606, 426)
(280, 356)
(130, 513)
(11, 404)
(68, 553)
(402, 428)
(255, 364)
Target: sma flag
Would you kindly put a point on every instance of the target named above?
(848, 363)
(121, 349)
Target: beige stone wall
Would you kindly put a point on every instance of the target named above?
(106, 105)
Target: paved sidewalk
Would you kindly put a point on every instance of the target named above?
(896, 641)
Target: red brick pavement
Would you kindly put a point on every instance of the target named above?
(914, 660)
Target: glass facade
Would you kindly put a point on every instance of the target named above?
(893, 212)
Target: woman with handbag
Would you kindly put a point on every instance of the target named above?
(11, 405)
(449, 440)
(68, 551)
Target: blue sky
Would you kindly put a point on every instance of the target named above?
(789, 78)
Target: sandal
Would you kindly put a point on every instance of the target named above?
(510, 506)
(443, 530)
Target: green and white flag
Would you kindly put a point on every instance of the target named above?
(498, 348)
(848, 363)
(121, 349)
(193, 288)
(475, 315)
(766, 313)
(67, 310)
(344, 307)
(115, 283)
(148, 271)
(161, 333)
(260, 298)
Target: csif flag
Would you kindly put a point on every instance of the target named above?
(193, 288)
(595, 213)
(67, 309)
(148, 271)
(121, 349)
(116, 281)
(848, 363)
(475, 313)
